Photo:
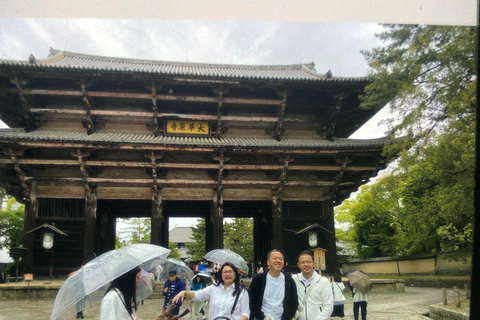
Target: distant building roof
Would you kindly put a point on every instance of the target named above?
(180, 234)
(75, 61)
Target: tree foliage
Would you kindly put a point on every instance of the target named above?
(196, 247)
(138, 230)
(11, 224)
(426, 74)
(238, 237)
(173, 251)
(425, 205)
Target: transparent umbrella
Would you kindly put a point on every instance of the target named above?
(95, 277)
(223, 255)
(144, 286)
(183, 271)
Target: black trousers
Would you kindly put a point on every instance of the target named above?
(363, 306)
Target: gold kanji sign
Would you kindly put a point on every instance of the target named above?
(188, 127)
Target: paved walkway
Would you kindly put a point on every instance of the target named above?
(408, 305)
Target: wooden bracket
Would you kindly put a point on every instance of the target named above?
(280, 115)
(29, 117)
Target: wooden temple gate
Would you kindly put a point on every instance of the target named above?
(96, 138)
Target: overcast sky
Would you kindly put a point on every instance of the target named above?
(332, 46)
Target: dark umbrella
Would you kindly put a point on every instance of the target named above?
(360, 280)
(207, 279)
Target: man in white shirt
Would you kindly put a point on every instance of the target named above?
(318, 304)
(273, 295)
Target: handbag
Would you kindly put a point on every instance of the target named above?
(302, 305)
(233, 307)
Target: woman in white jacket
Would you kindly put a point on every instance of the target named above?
(338, 297)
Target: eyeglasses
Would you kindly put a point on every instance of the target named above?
(228, 272)
(305, 262)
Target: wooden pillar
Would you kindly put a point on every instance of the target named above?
(29, 224)
(216, 220)
(261, 236)
(331, 254)
(159, 229)
(209, 230)
(106, 235)
(90, 233)
(277, 223)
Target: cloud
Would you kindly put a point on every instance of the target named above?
(334, 46)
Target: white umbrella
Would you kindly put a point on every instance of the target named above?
(182, 270)
(95, 277)
(144, 286)
(223, 255)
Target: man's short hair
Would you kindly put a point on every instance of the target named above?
(305, 252)
(274, 250)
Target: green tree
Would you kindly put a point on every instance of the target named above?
(372, 228)
(174, 251)
(196, 247)
(11, 224)
(238, 237)
(427, 74)
(138, 230)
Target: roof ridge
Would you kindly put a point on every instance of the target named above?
(57, 55)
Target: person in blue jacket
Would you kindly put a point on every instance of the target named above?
(198, 284)
(173, 286)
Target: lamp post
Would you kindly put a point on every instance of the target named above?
(48, 231)
(48, 245)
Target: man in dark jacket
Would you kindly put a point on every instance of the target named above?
(273, 295)
(173, 286)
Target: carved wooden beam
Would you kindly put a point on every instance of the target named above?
(156, 131)
(153, 166)
(343, 161)
(20, 173)
(332, 118)
(170, 165)
(281, 111)
(29, 119)
(101, 94)
(219, 112)
(199, 117)
(86, 174)
(87, 106)
(192, 183)
(156, 187)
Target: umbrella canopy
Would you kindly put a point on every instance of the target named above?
(95, 277)
(360, 280)
(144, 285)
(183, 271)
(206, 278)
(223, 255)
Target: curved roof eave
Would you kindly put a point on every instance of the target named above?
(17, 135)
(62, 60)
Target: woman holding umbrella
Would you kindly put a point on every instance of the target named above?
(228, 300)
(120, 303)
(198, 284)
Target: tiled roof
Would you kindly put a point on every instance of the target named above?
(12, 135)
(180, 234)
(75, 61)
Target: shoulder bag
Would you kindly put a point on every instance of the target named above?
(233, 307)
